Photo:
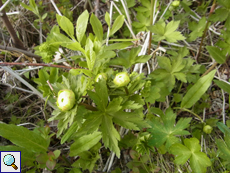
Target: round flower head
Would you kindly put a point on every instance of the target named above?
(121, 79)
(208, 129)
(65, 100)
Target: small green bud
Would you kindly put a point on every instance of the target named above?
(101, 76)
(121, 79)
(175, 3)
(66, 99)
(208, 129)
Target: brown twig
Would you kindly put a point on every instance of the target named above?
(210, 69)
(17, 43)
(35, 64)
(205, 30)
(38, 58)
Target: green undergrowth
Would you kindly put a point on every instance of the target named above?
(157, 117)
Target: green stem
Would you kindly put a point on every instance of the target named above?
(184, 109)
(177, 92)
(150, 162)
(144, 165)
(126, 90)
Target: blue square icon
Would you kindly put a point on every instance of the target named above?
(10, 161)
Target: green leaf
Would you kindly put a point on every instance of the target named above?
(223, 128)
(88, 159)
(90, 53)
(127, 119)
(117, 24)
(110, 135)
(224, 147)
(223, 85)
(164, 63)
(82, 22)
(73, 128)
(76, 72)
(167, 32)
(181, 77)
(91, 124)
(66, 25)
(107, 19)
(217, 54)
(84, 143)
(114, 105)
(191, 150)
(100, 97)
(153, 95)
(197, 29)
(166, 132)
(128, 58)
(156, 111)
(114, 46)
(197, 90)
(27, 7)
(53, 75)
(97, 27)
(23, 137)
(57, 153)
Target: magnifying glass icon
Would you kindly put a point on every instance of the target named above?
(9, 160)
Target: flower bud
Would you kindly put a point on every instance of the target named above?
(66, 99)
(101, 76)
(208, 129)
(175, 3)
(121, 79)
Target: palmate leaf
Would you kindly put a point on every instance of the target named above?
(84, 143)
(129, 120)
(191, 150)
(110, 136)
(165, 133)
(166, 32)
(88, 158)
(128, 58)
(217, 54)
(197, 29)
(100, 97)
(223, 13)
(23, 137)
(91, 124)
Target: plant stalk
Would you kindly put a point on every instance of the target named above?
(35, 64)
(151, 22)
(205, 30)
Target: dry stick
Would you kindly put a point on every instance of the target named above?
(9, 70)
(205, 30)
(38, 58)
(210, 69)
(17, 43)
(35, 64)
